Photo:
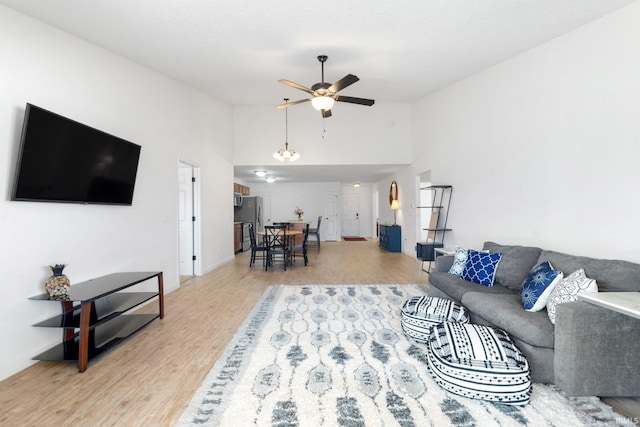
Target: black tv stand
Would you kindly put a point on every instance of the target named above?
(93, 319)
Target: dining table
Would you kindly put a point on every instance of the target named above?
(290, 234)
(295, 227)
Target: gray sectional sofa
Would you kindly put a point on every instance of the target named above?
(590, 351)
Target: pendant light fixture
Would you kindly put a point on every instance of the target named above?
(288, 153)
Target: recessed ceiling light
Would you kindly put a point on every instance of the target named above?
(356, 184)
(270, 179)
(260, 173)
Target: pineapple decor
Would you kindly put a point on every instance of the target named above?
(57, 285)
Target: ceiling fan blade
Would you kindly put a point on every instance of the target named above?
(289, 104)
(296, 85)
(325, 113)
(347, 80)
(352, 100)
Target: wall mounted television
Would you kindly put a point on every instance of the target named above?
(61, 160)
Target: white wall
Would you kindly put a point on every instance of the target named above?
(353, 135)
(286, 197)
(171, 122)
(542, 149)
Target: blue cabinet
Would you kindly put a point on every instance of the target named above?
(391, 238)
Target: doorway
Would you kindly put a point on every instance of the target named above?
(375, 203)
(330, 216)
(350, 215)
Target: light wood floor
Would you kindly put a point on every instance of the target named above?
(149, 379)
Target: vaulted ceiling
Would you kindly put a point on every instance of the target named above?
(236, 50)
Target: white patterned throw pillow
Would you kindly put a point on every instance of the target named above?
(459, 261)
(568, 289)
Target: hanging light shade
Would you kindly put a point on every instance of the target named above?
(288, 153)
(322, 103)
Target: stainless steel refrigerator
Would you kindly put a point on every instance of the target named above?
(250, 211)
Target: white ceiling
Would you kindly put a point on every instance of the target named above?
(236, 50)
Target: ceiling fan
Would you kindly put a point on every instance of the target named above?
(324, 95)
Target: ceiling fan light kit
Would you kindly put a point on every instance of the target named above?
(324, 95)
(322, 103)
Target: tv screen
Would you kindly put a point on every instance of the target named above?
(61, 160)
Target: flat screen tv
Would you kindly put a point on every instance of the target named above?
(61, 160)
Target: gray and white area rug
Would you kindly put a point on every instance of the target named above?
(335, 355)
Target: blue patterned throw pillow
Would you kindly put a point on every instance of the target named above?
(538, 285)
(481, 267)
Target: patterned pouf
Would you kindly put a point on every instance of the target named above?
(419, 314)
(479, 362)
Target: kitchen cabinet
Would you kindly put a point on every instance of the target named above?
(242, 189)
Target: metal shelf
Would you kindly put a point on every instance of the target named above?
(440, 204)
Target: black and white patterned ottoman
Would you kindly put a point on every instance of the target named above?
(419, 314)
(479, 362)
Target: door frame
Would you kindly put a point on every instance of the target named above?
(196, 228)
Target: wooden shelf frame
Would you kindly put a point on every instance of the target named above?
(94, 317)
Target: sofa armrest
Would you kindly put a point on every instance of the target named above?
(444, 263)
(596, 351)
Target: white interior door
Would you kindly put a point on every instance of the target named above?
(330, 222)
(350, 215)
(185, 220)
(376, 213)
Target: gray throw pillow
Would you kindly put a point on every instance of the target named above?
(516, 263)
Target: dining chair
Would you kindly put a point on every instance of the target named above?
(277, 245)
(257, 251)
(316, 232)
(297, 249)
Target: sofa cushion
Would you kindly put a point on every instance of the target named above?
(505, 311)
(611, 275)
(481, 267)
(444, 262)
(538, 285)
(516, 263)
(454, 287)
(568, 290)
